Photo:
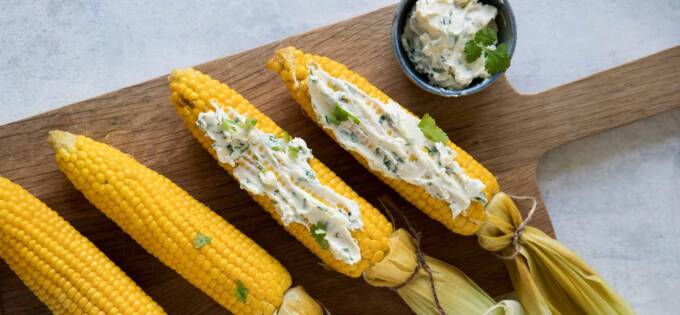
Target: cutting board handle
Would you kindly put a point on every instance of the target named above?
(608, 99)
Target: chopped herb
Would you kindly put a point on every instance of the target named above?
(227, 125)
(389, 165)
(339, 115)
(430, 130)
(496, 59)
(241, 292)
(293, 152)
(287, 137)
(384, 118)
(318, 231)
(354, 137)
(250, 123)
(276, 148)
(201, 240)
(432, 150)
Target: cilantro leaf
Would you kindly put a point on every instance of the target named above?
(472, 51)
(497, 60)
(485, 37)
(318, 231)
(201, 240)
(241, 292)
(430, 130)
(339, 115)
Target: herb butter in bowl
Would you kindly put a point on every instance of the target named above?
(453, 47)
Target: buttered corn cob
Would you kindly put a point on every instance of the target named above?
(180, 231)
(194, 93)
(293, 66)
(262, 158)
(62, 268)
(547, 276)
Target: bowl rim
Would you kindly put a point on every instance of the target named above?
(404, 8)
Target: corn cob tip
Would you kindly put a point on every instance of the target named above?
(297, 301)
(177, 73)
(61, 139)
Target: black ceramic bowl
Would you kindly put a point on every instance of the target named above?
(507, 33)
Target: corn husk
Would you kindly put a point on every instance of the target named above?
(296, 301)
(548, 277)
(456, 292)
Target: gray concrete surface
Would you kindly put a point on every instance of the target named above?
(613, 197)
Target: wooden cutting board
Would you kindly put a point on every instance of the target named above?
(505, 131)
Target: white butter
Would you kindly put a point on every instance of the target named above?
(435, 36)
(266, 165)
(388, 137)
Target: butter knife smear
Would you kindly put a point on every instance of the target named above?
(391, 140)
(279, 168)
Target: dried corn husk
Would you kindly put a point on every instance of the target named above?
(548, 276)
(456, 292)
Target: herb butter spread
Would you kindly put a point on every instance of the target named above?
(435, 36)
(391, 140)
(264, 164)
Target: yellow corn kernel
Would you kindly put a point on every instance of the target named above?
(180, 231)
(373, 239)
(289, 58)
(62, 268)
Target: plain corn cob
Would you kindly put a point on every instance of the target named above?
(170, 224)
(192, 93)
(62, 268)
(292, 66)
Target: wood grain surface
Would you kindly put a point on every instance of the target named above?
(506, 131)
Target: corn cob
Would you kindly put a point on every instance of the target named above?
(547, 276)
(170, 224)
(385, 263)
(193, 93)
(293, 67)
(64, 269)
